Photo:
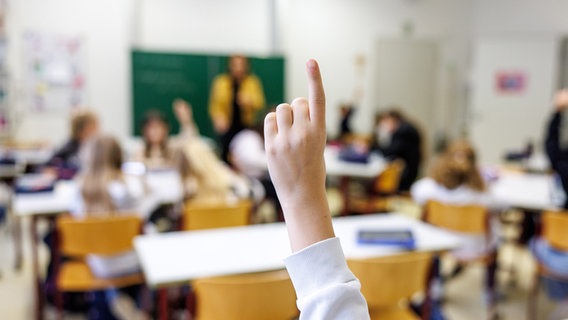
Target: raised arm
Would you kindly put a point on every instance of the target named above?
(295, 140)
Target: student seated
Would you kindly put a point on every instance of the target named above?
(65, 161)
(295, 140)
(248, 157)
(455, 179)
(104, 190)
(398, 138)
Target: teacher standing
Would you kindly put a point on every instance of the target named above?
(234, 101)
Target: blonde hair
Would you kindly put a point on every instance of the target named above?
(103, 165)
(79, 121)
(457, 166)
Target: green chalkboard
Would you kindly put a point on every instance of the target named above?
(159, 77)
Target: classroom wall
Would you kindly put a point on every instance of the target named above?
(522, 21)
(334, 31)
(104, 25)
(337, 31)
(111, 28)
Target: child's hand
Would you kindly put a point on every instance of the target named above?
(183, 111)
(295, 140)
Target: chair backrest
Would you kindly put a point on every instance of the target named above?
(256, 296)
(208, 216)
(101, 235)
(386, 281)
(388, 181)
(555, 229)
(461, 218)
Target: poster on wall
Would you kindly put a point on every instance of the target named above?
(54, 71)
(510, 82)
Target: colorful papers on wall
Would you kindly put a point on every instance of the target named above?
(54, 69)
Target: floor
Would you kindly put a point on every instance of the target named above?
(464, 299)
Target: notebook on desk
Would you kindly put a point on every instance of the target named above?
(399, 238)
(35, 183)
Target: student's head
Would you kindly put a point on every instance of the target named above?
(389, 120)
(84, 125)
(238, 67)
(103, 159)
(103, 154)
(457, 166)
(155, 130)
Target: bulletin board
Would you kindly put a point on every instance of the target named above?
(158, 78)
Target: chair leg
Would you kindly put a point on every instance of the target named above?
(163, 304)
(491, 284)
(59, 304)
(532, 302)
(190, 302)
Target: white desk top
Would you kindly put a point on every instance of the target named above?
(166, 185)
(525, 191)
(336, 167)
(172, 258)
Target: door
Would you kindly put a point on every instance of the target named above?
(512, 85)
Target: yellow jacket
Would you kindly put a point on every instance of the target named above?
(220, 100)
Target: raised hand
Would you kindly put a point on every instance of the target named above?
(561, 100)
(295, 140)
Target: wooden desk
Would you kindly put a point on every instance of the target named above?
(165, 185)
(178, 257)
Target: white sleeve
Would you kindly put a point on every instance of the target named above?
(325, 287)
(422, 191)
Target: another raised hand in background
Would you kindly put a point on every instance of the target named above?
(561, 100)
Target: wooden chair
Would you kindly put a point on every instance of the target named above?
(384, 188)
(207, 216)
(388, 283)
(256, 296)
(101, 236)
(554, 229)
(471, 220)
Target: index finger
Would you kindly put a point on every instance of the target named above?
(316, 94)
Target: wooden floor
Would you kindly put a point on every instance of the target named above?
(464, 296)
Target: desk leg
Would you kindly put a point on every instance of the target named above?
(17, 239)
(163, 304)
(344, 188)
(35, 269)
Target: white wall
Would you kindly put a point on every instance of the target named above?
(206, 26)
(336, 31)
(104, 25)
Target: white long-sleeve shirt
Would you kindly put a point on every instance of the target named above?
(325, 287)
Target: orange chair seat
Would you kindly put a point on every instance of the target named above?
(76, 276)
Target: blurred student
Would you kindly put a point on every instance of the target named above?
(455, 179)
(557, 139)
(397, 138)
(103, 190)
(325, 287)
(248, 157)
(346, 112)
(160, 150)
(65, 161)
(234, 101)
(556, 260)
